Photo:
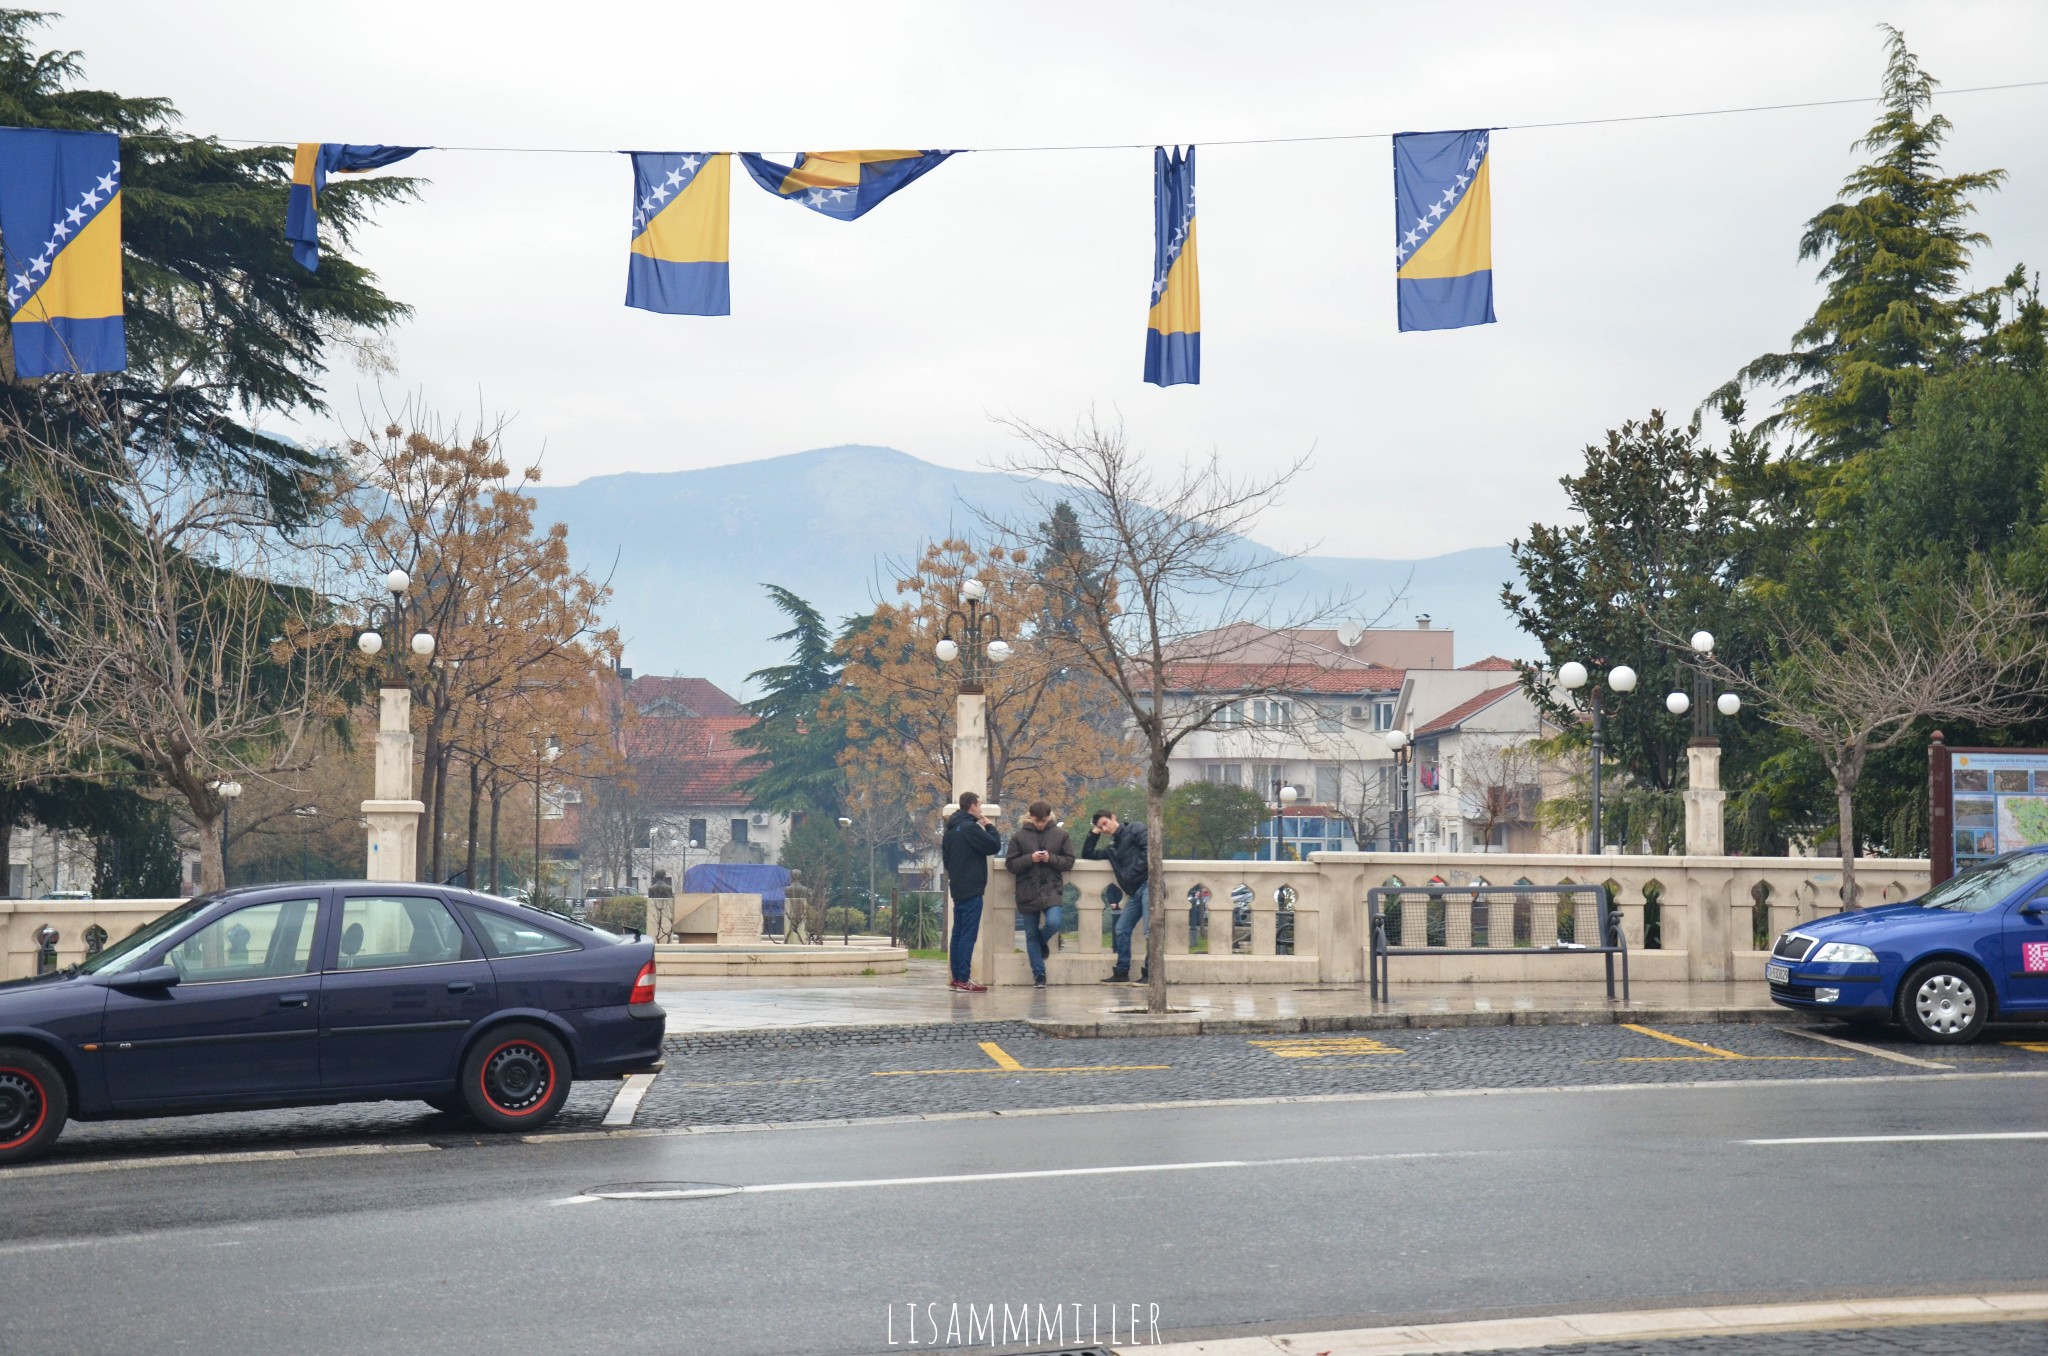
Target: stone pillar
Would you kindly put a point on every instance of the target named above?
(393, 814)
(970, 744)
(1709, 925)
(1703, 799)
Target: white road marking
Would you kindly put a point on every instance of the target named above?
(1863, 1049)
(627, 1104)
(1903, 1139)
(209, 1160)
(1039, 1174)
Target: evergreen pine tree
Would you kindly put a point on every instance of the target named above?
(795, 751)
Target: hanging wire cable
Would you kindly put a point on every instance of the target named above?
(1290, 141)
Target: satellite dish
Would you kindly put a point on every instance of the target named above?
(1349, 634)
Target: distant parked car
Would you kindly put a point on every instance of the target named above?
(67, 894)
(312, 994)
(1972, 950)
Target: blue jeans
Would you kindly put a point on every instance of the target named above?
(966, 928)
(1039, 930)
(1127, 920)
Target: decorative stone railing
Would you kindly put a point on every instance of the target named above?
(73, 918)
(1685, 917)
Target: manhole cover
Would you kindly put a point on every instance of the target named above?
(661, 1191)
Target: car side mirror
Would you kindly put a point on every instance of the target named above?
(2034, 908)
(153, 977)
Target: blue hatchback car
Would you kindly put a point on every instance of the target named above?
(312, 994)
(1973, 950)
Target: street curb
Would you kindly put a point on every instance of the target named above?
(1141, 1025)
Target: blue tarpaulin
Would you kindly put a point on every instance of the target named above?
(718, 878)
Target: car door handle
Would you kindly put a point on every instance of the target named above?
(292, 1000)
(463, 987)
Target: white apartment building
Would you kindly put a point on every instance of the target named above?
(1311, 709)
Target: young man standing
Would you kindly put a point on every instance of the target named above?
(1040, 852)
(1126, 854)
(969, 842)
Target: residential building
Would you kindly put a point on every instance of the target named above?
(1478, 776)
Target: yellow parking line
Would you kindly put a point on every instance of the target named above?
(1320, 1047)
(1006, 1063)
(2038, 1047)
(1722, 1059)
(1680, 1040)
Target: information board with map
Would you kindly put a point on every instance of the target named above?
(1998, 802)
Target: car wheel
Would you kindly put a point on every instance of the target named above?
(515, 1078)
(33, 1104)
(1944, 1003)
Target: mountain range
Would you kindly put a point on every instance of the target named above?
(687, 554)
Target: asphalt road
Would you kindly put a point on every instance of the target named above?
(1259, 1217)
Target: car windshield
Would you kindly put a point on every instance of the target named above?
(1983, 886)
(124, 953)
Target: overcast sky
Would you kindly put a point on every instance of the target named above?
(1636, 265)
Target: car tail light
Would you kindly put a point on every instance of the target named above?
(643, 987)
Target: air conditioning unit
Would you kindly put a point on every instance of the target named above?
(760, 821)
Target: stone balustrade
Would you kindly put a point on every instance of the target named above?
(1685, 917)
(20, 918)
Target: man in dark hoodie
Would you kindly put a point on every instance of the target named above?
(1040, 854)
(969, 842)
(1126, 852)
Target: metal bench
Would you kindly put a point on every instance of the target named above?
(1492, 920)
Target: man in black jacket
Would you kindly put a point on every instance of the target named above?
(1127, 854)
(1040, 854)
(969, 842)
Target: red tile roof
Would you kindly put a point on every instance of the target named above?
(1305, 678)
(1493, 663)
(695, 696)
(1463, 711)
(686, 762)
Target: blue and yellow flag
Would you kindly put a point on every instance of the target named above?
(1173, 341)
(843, 184)
(682, 201)
(1443, 229)
(310, 168)
(60, 220)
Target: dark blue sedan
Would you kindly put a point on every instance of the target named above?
(312, 994)
(1970, 951)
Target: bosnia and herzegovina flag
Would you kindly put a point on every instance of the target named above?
(843, 184)
(310, 167)
(1443, 229)
(60, 220)
(682, 202)
(1173, 337)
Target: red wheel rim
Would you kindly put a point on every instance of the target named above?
(518, 1078)
(22, 1102)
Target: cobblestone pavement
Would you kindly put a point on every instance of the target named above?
(811, 1074)
(1943, 1339)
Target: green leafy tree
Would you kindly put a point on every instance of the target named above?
(1895, 252)
(796, 750)
(1214, 823)
(821, 859)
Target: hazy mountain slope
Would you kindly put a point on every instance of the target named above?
(688, 551)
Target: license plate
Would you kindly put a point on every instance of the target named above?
(1777, 974)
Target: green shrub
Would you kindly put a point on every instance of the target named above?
(620, 913)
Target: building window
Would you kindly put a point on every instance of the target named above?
(1329, 720)
(1228, 716)
(1223, 774)
(1329, 785)
(739, 830)
(700, 831)
(1272, 713)
(1383, 715)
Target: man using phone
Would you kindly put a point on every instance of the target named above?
(971, 839)
(1040, 854)
(1126, 853)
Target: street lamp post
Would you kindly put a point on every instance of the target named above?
(305, 815)
(1282, 799)
(1704, 832)
(392, 815)
(846, 823)
(1621, 679)
(228, 791)
(1404, 757)
(974, 619)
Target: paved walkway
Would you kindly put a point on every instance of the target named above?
(921, 997)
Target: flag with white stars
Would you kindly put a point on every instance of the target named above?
(310, 167)
(1173, 333)
(680, 260)
(60, 221)
(842, 184)
(1443, 229)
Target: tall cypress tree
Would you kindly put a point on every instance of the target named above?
(1895, 254)
(796, 751)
